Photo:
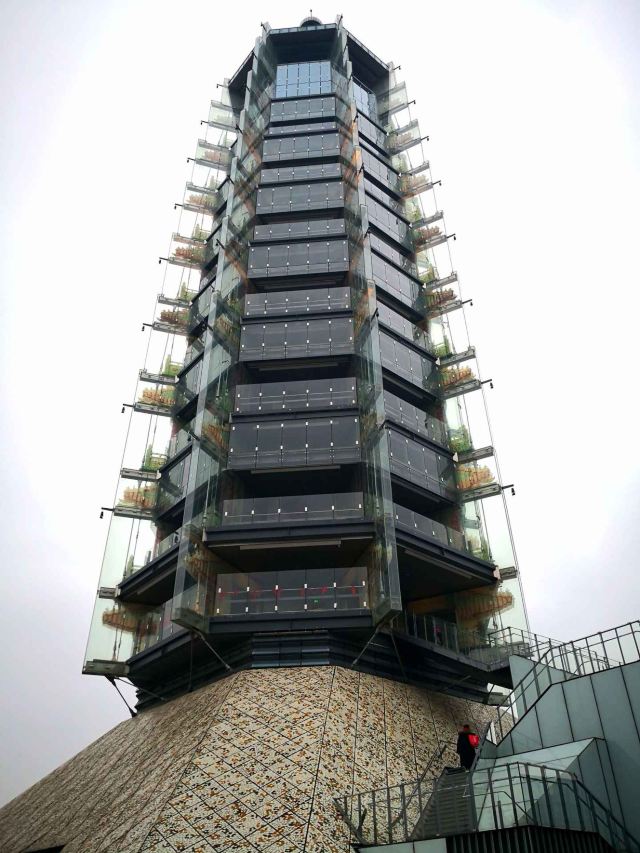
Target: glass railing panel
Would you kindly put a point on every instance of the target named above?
(222, 116)
(300, 109)
(216, 155)
(146, 448)
(376, 167)
(296, 339)
(302, 173)
(173, 319)
(294, 591)
(397, 284)
(295, 259)
(187, 251)
(383, 197)
(410, 366)
(391, 253)
(365, 99)
(404, 137)
(297, 396)
(300, 128)
(415, 419)
(318, 300)
(421, 465)
(304, 147)
(392, 101)
(433, 530)
(318, 441)
(428, 235)
(118, 631)
(401, 326)
(299, 230)
(294, 509)
(137, 500)
(300, 197)
(371, 131)
(389, 222)
(476, 477)
(458, 379)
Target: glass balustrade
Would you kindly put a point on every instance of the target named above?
(408, 365)
(137, 501)
(295, 443)
(297, 396)
(296, 339)
(295, 591)
(431, 530)
(299, 109)
(208, 154)
(401, 326)
(304, 147)
(299, 230)
(397, 284)
(294, 509)
(159, 398)
(393, 101)
(413, 418)
(404, 137)
(295, 259)
(316, 301)
(290, 198)
(458, 379)
(377, 168)
(221, 116)
(421, 465)
(300, 174)
(174, 320)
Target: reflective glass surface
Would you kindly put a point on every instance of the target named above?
(301, 147)
(305, 301)
(293, 509)
(421, 465)
(408, 364)
(280, 259)
(303, 108)
(303, 78)
(283, 199)
(295, 591)
(296, 339)
(274, 444)
(312, 172)
(415, 419)
(296, 396)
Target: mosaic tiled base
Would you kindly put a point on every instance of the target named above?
(250, 763)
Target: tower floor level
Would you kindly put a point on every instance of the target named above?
(309, 477)
(309, 575)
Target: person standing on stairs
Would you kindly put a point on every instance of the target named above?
(466, 746)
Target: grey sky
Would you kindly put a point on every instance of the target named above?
(533, 112)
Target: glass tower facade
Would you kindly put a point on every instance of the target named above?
(309, 473)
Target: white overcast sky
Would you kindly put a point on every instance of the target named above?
(532, 110)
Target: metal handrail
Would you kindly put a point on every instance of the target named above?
(575, 807)
(437, 754)
(571, 659)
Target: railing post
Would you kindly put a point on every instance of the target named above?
(472, 803)
(374, 817)
(405, 834)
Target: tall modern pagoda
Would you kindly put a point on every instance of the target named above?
(309, 575)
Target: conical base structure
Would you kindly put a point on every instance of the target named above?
(249, 763)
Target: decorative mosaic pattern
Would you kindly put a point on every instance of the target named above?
(250, 763)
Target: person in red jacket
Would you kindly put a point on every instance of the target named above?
(466, 747)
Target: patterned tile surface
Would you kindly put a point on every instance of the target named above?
(247, 764)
